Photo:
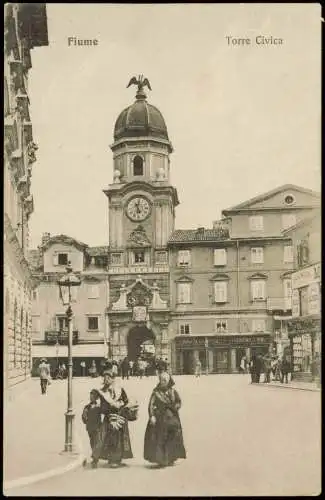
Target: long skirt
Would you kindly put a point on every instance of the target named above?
(163, 444)
(111, 444)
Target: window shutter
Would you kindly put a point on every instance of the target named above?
(220, 257)
(288, 254)
(180, 257)
(55, 260)
(220, 291)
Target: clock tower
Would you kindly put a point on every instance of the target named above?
(141, 203)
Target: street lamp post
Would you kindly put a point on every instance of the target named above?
(68, 285)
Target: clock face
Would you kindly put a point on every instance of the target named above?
(138, 208)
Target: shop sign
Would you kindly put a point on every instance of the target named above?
(295, 300)
(306, 276)
(314, 298)
(247, 340)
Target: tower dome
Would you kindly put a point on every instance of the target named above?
(141, 118)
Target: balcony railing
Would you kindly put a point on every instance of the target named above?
(61, 337)
(279, 304)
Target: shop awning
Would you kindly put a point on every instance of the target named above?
(61, 351)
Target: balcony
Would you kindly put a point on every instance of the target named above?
(278, 304)
(61, 337)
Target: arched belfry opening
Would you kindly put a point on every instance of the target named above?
(141, 340)
(138, 165)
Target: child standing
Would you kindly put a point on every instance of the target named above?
(91, 417)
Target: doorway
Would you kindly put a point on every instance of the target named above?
(140, 340)
(188, 367)
(221, 361)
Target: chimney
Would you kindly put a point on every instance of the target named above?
(45, 238)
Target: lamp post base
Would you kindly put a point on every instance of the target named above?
(69, 446)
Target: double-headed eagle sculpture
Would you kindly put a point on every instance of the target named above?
(141, 82)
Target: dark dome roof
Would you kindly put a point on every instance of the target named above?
(140, 119)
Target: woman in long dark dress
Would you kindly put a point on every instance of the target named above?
(163, 441)
(113, 439)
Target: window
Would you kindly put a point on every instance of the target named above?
(288, 254)
(257, 255)
(220, 257)
(184, 258)
(62, 323)
(116, 259)
(138, 165)
(258, 289)
(139, 257)
(93, 323)
(184, 293)
(289, 199)
(221, 325)
(220, 291)
(303, 301)
(161, 257)
(63, 259)
(288, 220)
(184, 329)
(256, 223)
(93, 291)
(35, 294)
(287, 288)
(258, 325)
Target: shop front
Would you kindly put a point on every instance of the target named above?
(305, 342)
(83, 356)
(217, 353)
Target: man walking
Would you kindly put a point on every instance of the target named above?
(44, 374)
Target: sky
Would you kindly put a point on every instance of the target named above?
(242, 119)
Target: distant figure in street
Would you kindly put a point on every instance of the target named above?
(91, 417)
(198, 368)
(44, 374)
(83, 368)
(267, 369)
(163, 441)
(252, 369)
(115, 368)
(258, 368)
(131, 366)
(285, 368)
(93, 369)
(125, 369)
(242, 366)
(141, 367)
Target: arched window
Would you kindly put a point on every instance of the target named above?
(138, 165)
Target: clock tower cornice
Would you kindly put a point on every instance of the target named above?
(154, 188)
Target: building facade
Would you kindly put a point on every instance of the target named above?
(211, 294)
(25, 28)
(49, 322)
(231, 285)
(305, 326)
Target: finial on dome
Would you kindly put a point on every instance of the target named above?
(141, 82)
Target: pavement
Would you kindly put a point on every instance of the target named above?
(292, 384)
(34, 434)
(240, 440)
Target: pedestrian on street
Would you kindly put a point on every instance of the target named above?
(113, 440)
(93, 369)
(91, 417)
(141, 367)
(267, 369)
(258, 368)
(242, 366)
(125, 369)
(131, 365)
(44, 374)
(253, 369)
(285, 369)
(198, 368)
(83, 368)
(163, 441)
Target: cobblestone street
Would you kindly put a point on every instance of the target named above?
(241, 439)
